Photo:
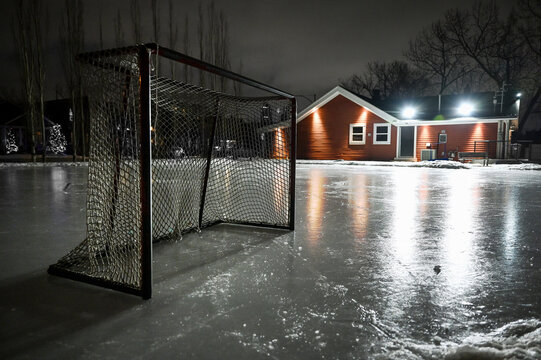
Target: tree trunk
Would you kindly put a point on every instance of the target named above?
(74, 127)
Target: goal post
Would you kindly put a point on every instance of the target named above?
(169, 156)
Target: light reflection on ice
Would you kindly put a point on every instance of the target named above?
(461, 214)
(405, 215)
(511, 219)
(359, 205)
(315, 203)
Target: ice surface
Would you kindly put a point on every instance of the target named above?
(355, 280)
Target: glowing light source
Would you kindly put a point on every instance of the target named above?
(519, 94)
(409, 112)
(465, 109)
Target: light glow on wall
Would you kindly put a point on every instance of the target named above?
(317, 119)
(279, 150)
(364, 115)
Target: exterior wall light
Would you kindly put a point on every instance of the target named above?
(408, 112)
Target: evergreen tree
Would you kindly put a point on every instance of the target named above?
(11, 144)
(57, 140)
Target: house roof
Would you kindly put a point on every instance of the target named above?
(445, 107)
(390, 110)
(338, 90)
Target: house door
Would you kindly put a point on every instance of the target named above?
(407, 142)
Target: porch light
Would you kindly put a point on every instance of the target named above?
(408, 112)
(465, 109)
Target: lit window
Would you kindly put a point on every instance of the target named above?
(357, 134)
(382, 134)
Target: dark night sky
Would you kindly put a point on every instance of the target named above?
(303, 47)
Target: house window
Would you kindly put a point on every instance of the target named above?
(357, 134)
(382, 134)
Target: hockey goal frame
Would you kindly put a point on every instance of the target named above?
(144, 53)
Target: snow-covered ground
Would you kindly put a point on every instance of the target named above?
(387, 262)
(440, 164)
(41, 164)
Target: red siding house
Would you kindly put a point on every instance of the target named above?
(342, 125)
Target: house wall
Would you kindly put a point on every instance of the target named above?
(458, 136)
(281, 144)
(324, 135)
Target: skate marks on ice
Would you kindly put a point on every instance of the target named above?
(277, 305)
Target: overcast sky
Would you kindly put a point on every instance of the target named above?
(302, 47)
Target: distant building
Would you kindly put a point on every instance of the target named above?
(343, 125)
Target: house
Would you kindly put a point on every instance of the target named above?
(343, 125)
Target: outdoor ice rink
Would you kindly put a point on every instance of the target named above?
(385, 262)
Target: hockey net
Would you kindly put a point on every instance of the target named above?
(215, 158)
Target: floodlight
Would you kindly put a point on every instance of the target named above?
(465, 109)
(408, 112)
(519, 94)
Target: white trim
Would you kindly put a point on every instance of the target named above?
(457, 121)
(357, 142)
(375, 134)
(338, 90)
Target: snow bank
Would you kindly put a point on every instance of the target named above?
(520, 339)
(521, 166)
(442, 164)
(40, 164)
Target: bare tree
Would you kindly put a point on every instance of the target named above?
(529, 13)
(222, 48)
(433, 53)
(71, 33)
(201, 40)
(210, 40)
(173, 34)
(100, 24)
(28, 32)
(187, 48)
(155, 20)
(135, 12)
(119, 32)
(394, 79)
(39, 58)
(22, 33)
(237, 86)
(213, 37)
(492, 43)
